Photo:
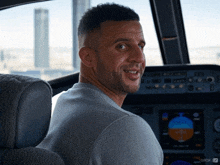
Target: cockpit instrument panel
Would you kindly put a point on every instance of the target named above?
(182, 106)
(196, 80)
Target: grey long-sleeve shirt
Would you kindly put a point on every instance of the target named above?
(88, 127)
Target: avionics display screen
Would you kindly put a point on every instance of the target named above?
(182, 129)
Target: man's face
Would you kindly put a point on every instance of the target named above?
(120, 57)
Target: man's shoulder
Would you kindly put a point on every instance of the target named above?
(75, 107)
(128, 140)
(81, 109)
(85, 103)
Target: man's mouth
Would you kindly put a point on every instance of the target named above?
(130, 71)
(132, 74)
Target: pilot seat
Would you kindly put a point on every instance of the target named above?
(25, 112)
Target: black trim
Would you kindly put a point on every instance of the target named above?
(169, 26)
(189, 98)
(182, 67)
(4, 4)
(63, 83)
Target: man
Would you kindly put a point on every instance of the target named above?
(88, 125)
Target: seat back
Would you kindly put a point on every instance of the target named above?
(25, 111)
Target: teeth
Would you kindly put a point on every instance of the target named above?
(133, 72)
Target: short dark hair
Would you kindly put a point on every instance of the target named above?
(93, 18)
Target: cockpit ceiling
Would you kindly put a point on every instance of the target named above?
(13, 3)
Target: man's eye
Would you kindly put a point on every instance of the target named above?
(141, 46)
(121, 46)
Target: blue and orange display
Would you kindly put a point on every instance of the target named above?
(180, 128)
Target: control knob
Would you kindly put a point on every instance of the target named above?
(210, 79)
(217, 125)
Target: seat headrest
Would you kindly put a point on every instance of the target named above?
(25, 110)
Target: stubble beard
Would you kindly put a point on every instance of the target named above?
(114, 81)
(122, 86)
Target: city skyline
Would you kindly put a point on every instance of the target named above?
(60, 22)
(200, 17)
(17, 33)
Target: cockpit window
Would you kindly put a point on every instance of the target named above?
(202, 24)
(37, 39)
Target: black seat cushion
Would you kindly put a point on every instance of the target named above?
(25, 110)
(30, 156)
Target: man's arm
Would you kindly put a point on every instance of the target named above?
(128, 140)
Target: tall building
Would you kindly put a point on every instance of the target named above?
(41, 47)
(2, 57)
(79, 8)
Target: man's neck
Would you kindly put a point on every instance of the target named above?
(117, 98)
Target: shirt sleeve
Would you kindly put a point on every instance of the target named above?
(127, 141)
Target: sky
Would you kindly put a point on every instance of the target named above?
(201, 19)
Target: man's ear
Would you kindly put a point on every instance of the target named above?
(87, 56)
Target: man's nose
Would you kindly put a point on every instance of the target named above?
(137, 55)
